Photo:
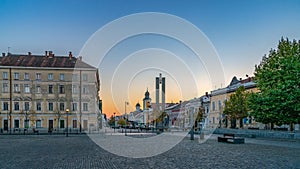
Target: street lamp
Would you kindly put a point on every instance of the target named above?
(126, 116)
(67, 111)
(114, 122)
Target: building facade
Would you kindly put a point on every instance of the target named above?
(48, 92)
(218, 97)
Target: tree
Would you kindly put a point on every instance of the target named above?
(111, 121)
(121, 122)
(277, 78)
(237, 106)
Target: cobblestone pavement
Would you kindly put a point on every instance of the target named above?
(78, 151)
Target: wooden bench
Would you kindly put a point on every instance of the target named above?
(231, 138)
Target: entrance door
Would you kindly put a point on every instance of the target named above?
(85, 124)
(5, 125)
(50, 124)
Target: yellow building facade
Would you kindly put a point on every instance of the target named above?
(219, 96)
(47, 92)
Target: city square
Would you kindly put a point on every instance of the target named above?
(149, 84)
(78, 151)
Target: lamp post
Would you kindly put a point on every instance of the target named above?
(126, 103)
(114, 122)
(67, 111)
(192, 123)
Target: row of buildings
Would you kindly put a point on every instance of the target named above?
(181, 115)
(48, 92)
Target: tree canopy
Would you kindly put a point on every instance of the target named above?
(277, 78)
(237, 106)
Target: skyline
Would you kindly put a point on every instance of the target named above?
(241, 31)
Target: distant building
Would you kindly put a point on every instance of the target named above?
(37, 90)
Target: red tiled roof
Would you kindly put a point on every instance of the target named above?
(43, 61)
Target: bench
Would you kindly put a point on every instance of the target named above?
(231, 138)
(253, 128)
(35, 131)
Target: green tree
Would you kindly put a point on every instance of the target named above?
(277, 78)
(199, 116)
(121, 122)
(237, 106)
(111, 121)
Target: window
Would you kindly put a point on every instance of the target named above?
(75, 89)
(17, 123)
(61, 76)
(16, 88)
(5, 87)
(26, 88)
(85, 77)
(38, 89)
(17, 106)
(85, 106)
(61, 106)
(213, 106)
(62, 124)
(5, 75)
(16, 76)
(26, 106)
(50, 106)
(85, 89)
(38, 106)
(38, 123)
(220, 104)
(50, 89)
(74, 124)
(26, 123)
(75, 77)
(74, 106)
(61, 89)
(26, 76)
(5, 105)
(50, 76)
(38, 76)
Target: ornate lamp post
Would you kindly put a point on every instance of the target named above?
(67, 111)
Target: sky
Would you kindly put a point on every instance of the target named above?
(241, 32)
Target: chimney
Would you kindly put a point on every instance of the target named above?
(3, 54)
(46, 53)
(206, 94)
(70, 55)
(51, 54)
(29, 53)
(80, 58)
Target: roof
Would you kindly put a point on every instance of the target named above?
(43, 61)
(248, 83)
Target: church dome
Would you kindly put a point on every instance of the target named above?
(138, 105)
(147, 94)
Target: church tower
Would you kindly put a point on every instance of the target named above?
(147, 101)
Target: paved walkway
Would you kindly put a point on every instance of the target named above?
(78, 151)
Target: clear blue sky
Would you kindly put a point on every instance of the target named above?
(241, 31)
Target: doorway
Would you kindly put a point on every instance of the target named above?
(85, 124)
(5, 125)
(50, 124)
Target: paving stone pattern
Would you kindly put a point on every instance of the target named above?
(78, 151)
